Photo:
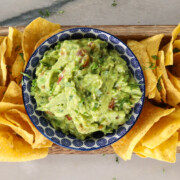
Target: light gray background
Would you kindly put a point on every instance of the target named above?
(84, 12)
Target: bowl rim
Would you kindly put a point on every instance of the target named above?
(142, 97)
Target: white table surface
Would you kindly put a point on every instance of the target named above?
(89, 12)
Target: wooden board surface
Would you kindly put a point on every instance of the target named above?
(124, 33)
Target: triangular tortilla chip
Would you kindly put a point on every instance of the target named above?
(13, 94)
(172, 94)
(149, 115)
(34, 32)
(2, 91)
(168, 49)
(164, 152)
(140, 52)
(162, 130)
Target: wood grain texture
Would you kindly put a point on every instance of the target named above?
(124, 33)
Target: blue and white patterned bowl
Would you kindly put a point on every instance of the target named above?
(57, 136)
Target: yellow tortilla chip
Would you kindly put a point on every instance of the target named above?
(13, 94)
(2, 91)
(161, 84)
(168, 49)
(175, 69)
(15, 149)
(45, 38)
(4, 106)
(172, 94)
(162, 130)
(39, 140)
(13, 45)
(176, 44)
(140, 52)
(164, 152)
(178, 137)
(3, 68)
(152, 45)
(21, 132)
(174, 80)
(1, 39)
(17, 68)
(34, 32)
(149, 115)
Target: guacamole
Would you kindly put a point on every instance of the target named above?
(83, 87)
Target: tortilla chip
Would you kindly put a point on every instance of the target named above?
(178, 137)
(168, 49)
(3, 68)
(4, 106)
(162, 130)
(45, 38)
(150, 114)
(21, 132)
(174, 80)
(17, 68)
(39, 140)
(164, 152)
(152, 45)
(1, 39)
(2, 91)
(176, 44)
(34, 32)
(175, 69)
(13, 45)
(15, 149)
(161, 84)
(13, 94)
(140, 52)
(172, 94)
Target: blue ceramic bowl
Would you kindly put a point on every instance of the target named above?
(98, 140)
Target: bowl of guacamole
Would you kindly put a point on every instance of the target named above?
(84, 89)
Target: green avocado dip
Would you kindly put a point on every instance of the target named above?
(84, 87)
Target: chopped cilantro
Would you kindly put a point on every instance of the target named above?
(24, 74)
(45, 64)
(155, 57)
(61, 12)
(117, 159)
(70, 97)
(176, 50)
(85, 114)
(76, 111)
(96, 105)
(135, 84)
(22, 56)
(45, 13)
(33, 85)
(94, 66)
(159, 87)
(151, 66)
(114, 3)
(17, 48)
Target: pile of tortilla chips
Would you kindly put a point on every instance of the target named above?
(19, 139)
(156, 133)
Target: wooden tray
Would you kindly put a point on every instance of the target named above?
(124, 33)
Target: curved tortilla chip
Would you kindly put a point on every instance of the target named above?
(21, 132)
(176, 44)
(2, 91)
(149, 115)
(172, 94)
(3, 67)
(13, 94)
(34, 32)
(4, 106)
(15, 149)
(140, 52)
(164, 152)
(162, 130)
(168, 49)
(174, 80)
(45, 38)
(175, 69)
